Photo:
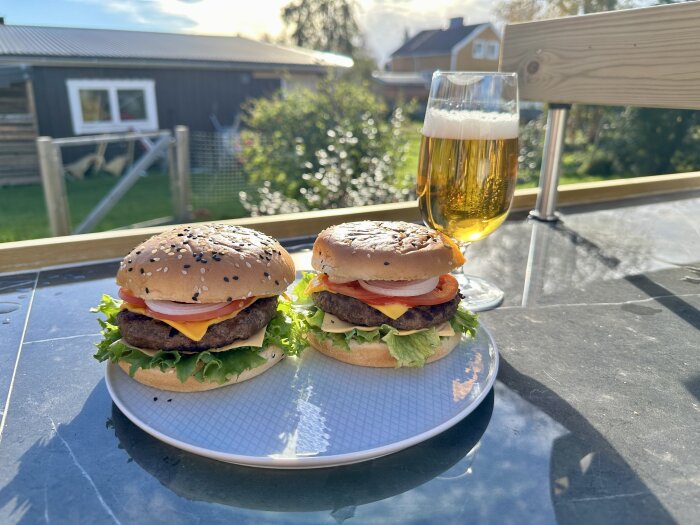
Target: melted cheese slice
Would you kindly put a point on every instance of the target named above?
(316, 286)
(255, 340)
(194, 330)
(391, 310)
(334, 325)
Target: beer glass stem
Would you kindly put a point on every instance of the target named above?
(477, 294)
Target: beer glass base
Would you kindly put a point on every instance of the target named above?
(479, 294)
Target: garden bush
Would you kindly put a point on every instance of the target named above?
(598, 162)
(333, 147)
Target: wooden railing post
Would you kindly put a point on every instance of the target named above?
(54, 184)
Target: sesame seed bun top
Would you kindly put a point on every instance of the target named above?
(206, 263)
(386, 250)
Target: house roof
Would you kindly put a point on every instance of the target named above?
(435, 41)
(35, 44)
(392, 78)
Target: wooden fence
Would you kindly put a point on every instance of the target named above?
(18, 133)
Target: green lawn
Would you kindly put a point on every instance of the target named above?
(407, 174)
(23, 212)
(214, 196)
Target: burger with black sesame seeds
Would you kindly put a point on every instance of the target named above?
(199, 308)
(383, 295)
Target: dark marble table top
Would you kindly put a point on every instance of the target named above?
(594, 418)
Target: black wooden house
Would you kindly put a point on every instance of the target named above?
(63, 82)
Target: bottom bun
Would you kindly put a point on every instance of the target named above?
(375, 354)
(168, 380)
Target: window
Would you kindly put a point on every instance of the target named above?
(478, 49)
(486, 49)
(132, 104)
(94, 105)
(99, 106)
(492, 50)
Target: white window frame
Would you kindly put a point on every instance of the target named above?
(479, 49)
(115, 124)
(492, 49)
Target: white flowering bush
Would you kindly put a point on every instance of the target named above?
(331, 148)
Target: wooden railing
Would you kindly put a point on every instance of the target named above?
(637, 57)
(41, 253)
(644, 57)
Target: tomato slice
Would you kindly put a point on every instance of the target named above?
(445, 291)
(238, 304)
(130, 298)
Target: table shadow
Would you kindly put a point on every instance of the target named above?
(590, 482)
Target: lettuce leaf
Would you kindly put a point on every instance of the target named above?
(282, 331)
(408, 350)
(413, 349)
(203, 366)
(110, 331)
(465, 322)
(286, 330)
(314, 317)
(365, 336)
(301, 298)
(310, 320)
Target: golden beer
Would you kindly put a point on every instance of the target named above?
(465, 186)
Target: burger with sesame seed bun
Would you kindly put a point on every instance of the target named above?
(383, 295)
(199, 308)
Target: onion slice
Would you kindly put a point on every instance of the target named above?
(174, 308)
(400, 288)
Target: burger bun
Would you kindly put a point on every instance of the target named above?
(206, 263)
(384, 250)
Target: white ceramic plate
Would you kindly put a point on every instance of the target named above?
(313, 411)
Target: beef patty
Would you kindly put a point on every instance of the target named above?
(356, 312)
(145, 332)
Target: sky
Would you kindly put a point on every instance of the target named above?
(383, 21)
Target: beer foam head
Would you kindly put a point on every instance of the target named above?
(469, 125)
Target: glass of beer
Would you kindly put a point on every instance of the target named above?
(468, 164)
